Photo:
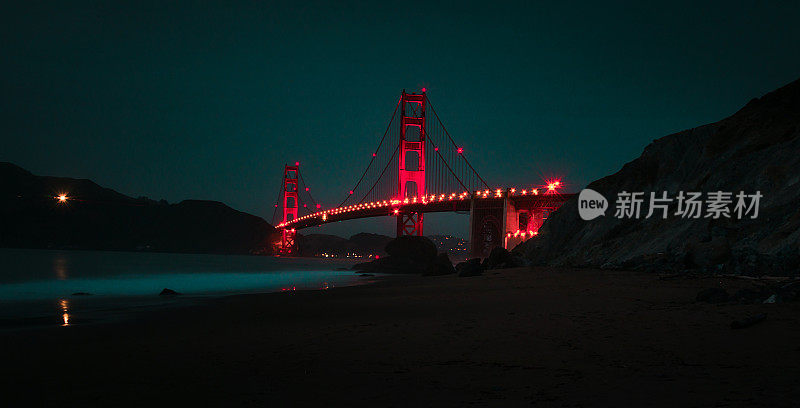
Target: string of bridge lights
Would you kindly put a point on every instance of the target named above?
(550, 188)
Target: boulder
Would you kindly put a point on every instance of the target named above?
(440, 266)
(712, 295)
(498, 258)
(420, 249)
(471, 267)
(168, 292)
(516, 261)
(407, 254)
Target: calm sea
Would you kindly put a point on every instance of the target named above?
(67, 288)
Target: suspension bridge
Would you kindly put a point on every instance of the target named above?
(418, 168)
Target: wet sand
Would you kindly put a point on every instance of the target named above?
(541, 337)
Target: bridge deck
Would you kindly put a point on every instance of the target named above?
(439, 204)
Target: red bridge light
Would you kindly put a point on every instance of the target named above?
(351, 191)
(460, 150)
(296, 163)
(552, 185)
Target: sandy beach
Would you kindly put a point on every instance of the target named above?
(521, 337)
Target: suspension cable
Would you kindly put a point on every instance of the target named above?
(453, 142)
(447, 165)
(381, 175)
(376, 150)
(304, 185)
(280, 194)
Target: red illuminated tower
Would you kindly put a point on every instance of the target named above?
(290, 206)
(412, 146)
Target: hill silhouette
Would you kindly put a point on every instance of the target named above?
(100, 218)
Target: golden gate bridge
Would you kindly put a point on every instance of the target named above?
(418, 168)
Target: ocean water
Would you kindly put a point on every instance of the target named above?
(67, 288)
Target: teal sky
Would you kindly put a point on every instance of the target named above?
(182, 100)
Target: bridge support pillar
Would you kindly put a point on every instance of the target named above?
(487, 222)
(501, 222)
(411, 159)
(291, 175)
(409, 224)
(287, 241)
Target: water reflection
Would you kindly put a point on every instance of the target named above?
(64, 303)
(60, 267)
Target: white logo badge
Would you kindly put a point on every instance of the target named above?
(591, 204)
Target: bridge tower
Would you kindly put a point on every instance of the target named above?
(291, 174)
(412, 146)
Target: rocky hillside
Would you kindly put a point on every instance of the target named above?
(100, 218)
(756, 149)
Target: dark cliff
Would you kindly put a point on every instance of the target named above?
(756, 149)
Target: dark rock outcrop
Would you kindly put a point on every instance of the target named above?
(499, 256)
(756, 149)
(420, 249)
(370, 243)
(409, 254)
(470, 267)
(441, 265)
(168, 292)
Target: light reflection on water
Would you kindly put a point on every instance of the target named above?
(198, 284)
(64, 303)
(86, 283)
(60, 267)
(185, 283)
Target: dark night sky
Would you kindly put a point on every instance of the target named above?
(205, 101)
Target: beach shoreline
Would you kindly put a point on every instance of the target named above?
(525, 336)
